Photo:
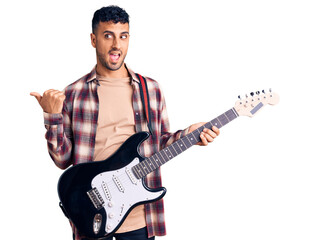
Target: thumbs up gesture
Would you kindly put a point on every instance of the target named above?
(51, 101)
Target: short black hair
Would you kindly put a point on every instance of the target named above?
(111, 13)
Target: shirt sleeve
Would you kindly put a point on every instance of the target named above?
(59, 138)
(167, 137)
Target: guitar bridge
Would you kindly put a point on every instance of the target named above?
(96, 198)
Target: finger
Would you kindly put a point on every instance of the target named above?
(216, 130)
(209, 132)
(50, 92)
(209, 138)
(204, 141)
(59, 95)
(37, 96)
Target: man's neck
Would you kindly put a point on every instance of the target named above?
(120, 73)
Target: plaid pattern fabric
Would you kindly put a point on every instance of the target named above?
(71, 134)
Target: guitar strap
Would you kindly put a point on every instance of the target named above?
(145, 99)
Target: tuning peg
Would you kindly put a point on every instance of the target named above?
(258, 93)
(270, 90)
(263, 91)
(239, 97)
(252, 94)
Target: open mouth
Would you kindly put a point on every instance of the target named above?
(114, 57)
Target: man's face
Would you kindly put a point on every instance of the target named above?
(111, 41)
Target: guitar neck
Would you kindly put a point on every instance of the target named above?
(158, 159)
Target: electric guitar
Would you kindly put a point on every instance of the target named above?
(98, 196)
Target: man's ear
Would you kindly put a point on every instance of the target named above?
(93, 40)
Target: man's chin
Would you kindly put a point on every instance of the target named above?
(114, 66)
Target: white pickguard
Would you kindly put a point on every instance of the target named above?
(120, 190)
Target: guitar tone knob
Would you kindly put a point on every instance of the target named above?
(111, 215)
(109, 228)
(110, 204)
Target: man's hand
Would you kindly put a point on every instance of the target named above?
(207, 135)
(52, 100)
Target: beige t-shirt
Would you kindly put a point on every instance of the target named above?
(115, 125)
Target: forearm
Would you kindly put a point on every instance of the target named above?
(168, 138)
(58, 141)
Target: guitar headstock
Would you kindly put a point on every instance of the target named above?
(249, 106)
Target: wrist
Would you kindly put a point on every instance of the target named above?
(52, 118)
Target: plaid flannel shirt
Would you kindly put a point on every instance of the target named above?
(71, 134)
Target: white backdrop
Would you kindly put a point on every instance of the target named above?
(251, 183)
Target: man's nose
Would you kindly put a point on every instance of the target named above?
(116, 43)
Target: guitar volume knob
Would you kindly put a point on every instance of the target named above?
(109, 228)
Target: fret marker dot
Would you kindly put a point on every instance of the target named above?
(191, 139)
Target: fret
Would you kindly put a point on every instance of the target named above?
(223, 119)
(161, 157)
(144, 167)
(156, 160)
(150, 164)
(172, 153)
(196, 133)
(172, 150)
(177, 147)
(136, 172)
(209, 125)
(192, 138)
(172, 146)
(219, 121)
(182, 146)
(227, 119)
(165, 154)
(140, 170)
(168, 154)
(231, 114)
(197, 138)
(215, 122)
(185, 140)
(153, 161)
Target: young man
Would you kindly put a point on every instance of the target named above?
(93, 116)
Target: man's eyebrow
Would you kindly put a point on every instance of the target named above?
(110, 32)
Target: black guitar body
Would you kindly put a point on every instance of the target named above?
(94, 207)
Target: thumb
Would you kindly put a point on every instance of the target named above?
(37, 96)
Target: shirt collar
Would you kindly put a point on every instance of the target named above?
(93, 74)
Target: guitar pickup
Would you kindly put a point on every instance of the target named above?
(118, 184)
(96, 198)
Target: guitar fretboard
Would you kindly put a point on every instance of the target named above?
(158, 159)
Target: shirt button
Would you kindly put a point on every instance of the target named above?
(136, 113)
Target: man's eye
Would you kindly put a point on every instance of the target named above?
(108, 36)
(124, 37)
